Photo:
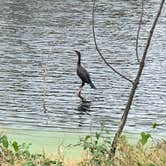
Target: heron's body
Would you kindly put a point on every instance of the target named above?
(84, 76)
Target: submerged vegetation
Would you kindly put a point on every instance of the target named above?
(95, 152)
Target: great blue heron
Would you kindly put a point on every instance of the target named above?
(83, 74)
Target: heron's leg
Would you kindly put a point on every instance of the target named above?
(79, 91)
(83, 83)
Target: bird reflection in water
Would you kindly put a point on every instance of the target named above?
(84, 106)
(83, 110)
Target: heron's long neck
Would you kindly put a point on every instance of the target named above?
(79, 59)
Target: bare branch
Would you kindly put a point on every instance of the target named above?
(152, 30)
(97, 48)
(44, 87)
(139, 28)
(134, 86)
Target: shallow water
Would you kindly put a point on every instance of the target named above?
(36, 33)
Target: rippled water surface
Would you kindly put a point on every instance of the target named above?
(36, 35)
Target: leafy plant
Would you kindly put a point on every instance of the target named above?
(144, 137)
(4, 141)
(15, 146)
(98, 147)
(11, 151)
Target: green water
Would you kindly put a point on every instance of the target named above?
(49, 142)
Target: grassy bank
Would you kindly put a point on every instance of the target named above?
(48, 141)
(92, 151)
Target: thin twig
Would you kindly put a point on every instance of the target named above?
(139, 28)
(97, 48)
(44, 87)
(134, 87)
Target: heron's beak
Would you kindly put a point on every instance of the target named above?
(77, 52)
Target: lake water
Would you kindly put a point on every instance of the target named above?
(36, 35)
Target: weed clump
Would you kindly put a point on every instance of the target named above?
(140, 154)
(95, 152)
(14, 154)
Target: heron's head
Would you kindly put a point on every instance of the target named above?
(77, 52)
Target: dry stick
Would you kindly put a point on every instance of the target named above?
(138, 32)
(44, 87)
(134, 86)
(45, 72)
(98, 50)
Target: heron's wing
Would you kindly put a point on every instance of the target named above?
(83, 74)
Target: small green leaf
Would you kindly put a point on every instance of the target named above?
(139, 164)
(154, 125)
(4, 141)
(87, 137)
(145, 137)
(97, 135)
(46, 163)
(28, 164)
(15, 146)
(96, 142)
(151, 164)
(53, 162)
